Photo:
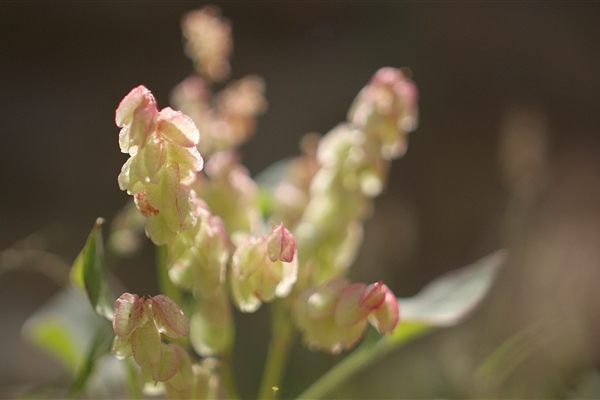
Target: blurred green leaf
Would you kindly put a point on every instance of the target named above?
(445, 301)
(449, 298)
(64, 327)
(54, 336)
(101, 345)
(88, 273)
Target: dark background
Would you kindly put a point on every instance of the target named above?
(64, 67)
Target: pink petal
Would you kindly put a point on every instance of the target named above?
(281, 244)
(169, 363)
(348, 310)
(142, 125)
(145, 343)
(128, 309)
(373, 296)
(137, 97)
(177, 128)
(387, 316)
(169, 317)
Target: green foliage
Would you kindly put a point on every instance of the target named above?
(88, 273)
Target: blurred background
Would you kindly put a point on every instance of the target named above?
(507, 154)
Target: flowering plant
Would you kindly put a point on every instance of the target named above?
(227, 241)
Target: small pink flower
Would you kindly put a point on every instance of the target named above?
(281, 244)
(334, 315)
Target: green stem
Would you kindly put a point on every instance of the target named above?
(363, 356)
(227, 378)
(134, 391)
(165, 286)
(282, 334)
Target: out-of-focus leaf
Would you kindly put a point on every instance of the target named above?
(64, 327)
(448, 299)
(99, 347)
(53, 336)
(445, 301)
(88, 273)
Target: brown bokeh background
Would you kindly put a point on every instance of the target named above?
(485, 70)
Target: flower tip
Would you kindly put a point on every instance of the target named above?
(281, 244)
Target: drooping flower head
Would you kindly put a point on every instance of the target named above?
(387, 109)
(139, 323)
(164, 161)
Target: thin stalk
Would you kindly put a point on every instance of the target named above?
(134, 391)
(282, 335)
(363, 356)
(227, 378)
(165, 286)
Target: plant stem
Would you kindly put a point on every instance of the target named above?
(165, 286)
(227, 377)
(282, 333)
(363, 356)
(134, 391)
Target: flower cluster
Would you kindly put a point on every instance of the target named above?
(164, 161)
(209, 42)
(334, 315)
(139, 323)
(353, 160)
(214, 224)
(386, 109)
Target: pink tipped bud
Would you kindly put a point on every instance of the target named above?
(169, 317)
(373, 296)
(128, 310)
(136, 114)
(386, 318)
(139, 97)
(281, 244)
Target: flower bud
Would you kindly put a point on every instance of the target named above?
(281, 244)
(255, 278)
(136, 116)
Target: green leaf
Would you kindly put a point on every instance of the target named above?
(64, 327)
(88, 273)
(449, 298)
(100, 346)
(53, 336)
